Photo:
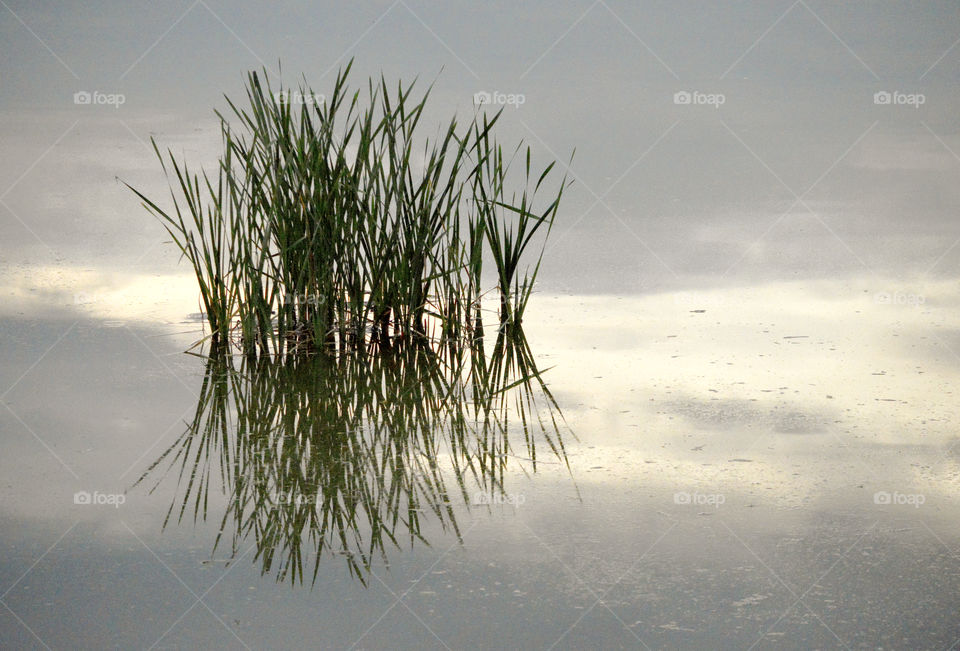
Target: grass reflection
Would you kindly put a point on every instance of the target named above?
(353, 454)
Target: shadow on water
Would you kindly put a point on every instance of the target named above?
(353, 454)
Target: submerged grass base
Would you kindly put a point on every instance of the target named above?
(333, 227)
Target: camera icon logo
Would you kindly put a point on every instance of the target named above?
(82, 497)
(881, 497)
(82, 97)
(482, 97)
(682, 97)
(882, 97)
(682, 498)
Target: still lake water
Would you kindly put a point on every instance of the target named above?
(750, 313)
(723, 484)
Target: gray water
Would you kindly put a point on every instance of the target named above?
(750, 306)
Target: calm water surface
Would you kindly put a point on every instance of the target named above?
(750, 313)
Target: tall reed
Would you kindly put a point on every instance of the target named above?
(332, 225)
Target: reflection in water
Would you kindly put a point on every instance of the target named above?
(352, 453)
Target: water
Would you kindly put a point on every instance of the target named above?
(749, 312)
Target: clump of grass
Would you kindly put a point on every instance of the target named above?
(334, 226)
